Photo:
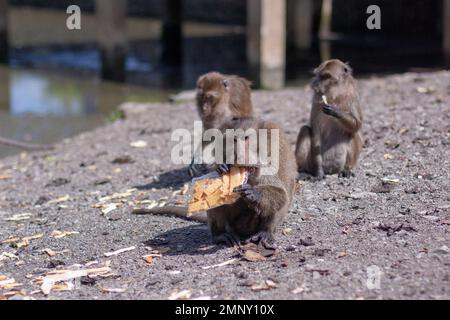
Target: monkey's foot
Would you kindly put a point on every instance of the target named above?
(264, 239)
(228, 239)
(248, 193)
(346, 174)
(223, 169)
(196, 170)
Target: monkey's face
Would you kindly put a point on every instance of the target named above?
(330, 73)
(212, 95)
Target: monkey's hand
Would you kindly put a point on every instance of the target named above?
(249, 194)
(223, 169)
(332, 111)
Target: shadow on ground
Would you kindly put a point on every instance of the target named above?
(191, 240)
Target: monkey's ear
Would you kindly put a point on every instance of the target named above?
(226, 84)
(348, 69)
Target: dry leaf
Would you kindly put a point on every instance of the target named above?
(148, 259)
(342, 254)
(447, 222)
(61, 234)
(55, 276)
(115, 253)
(19, 217)
(7, 255)
(220, 264)
(114, 290)
(8, 284)
(50, 252)
(138, 144)
(59, 200)
(253, 256)
(182, 295)
(286, 231)
(388, 156)
(298, 290)
(266, 285)
(109, 208)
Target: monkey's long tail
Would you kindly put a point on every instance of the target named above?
(173, 211)
(23, 145)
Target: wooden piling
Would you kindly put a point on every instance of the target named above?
(172, 32)
(266, 42)
(112, 38)
(299, 23)
(446, 28)
(4, 46)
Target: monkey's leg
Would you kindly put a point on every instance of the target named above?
(316, 156)
(303, 150)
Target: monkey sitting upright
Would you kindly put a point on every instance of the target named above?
(267, 196)
(333, 141)
(221, 98)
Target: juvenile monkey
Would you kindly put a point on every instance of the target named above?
(265, 198)
(221, 98)
(333, 140)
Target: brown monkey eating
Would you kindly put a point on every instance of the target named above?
(266, 197)
(220, 98)
(333, 141)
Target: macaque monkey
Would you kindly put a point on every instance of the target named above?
(220, 98)
(266, 197)
(333, 141)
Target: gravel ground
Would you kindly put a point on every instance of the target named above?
(339, 239)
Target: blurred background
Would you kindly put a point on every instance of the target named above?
(56, 82)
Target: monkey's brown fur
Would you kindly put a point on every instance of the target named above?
(333, 140)
(221, 98)
(265, 199)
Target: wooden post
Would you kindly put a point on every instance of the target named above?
(4, 47)
(172, 32)
(266, 42)
(325, 29)
(5, 89)
(299, 23)
(446, 28)
(112, 38)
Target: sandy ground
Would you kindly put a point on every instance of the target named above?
(343, 239)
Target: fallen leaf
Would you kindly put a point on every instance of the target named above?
(447, 222)
(253, 256)
(109, 208)
(115, 253)
(62, 234)
(8, 284)
(266, 285)
(220, 264)
(19, 217)
(59, 200)
(138, 144)
(342, 254)
(114, 290)
(182, 295)
(425, 90)
(286, 231)
(50, 252)
(388, 156)
(55, 276)
(298, 290)
(5, 177)
(148, 259)
(7, 255)
(182, 191)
